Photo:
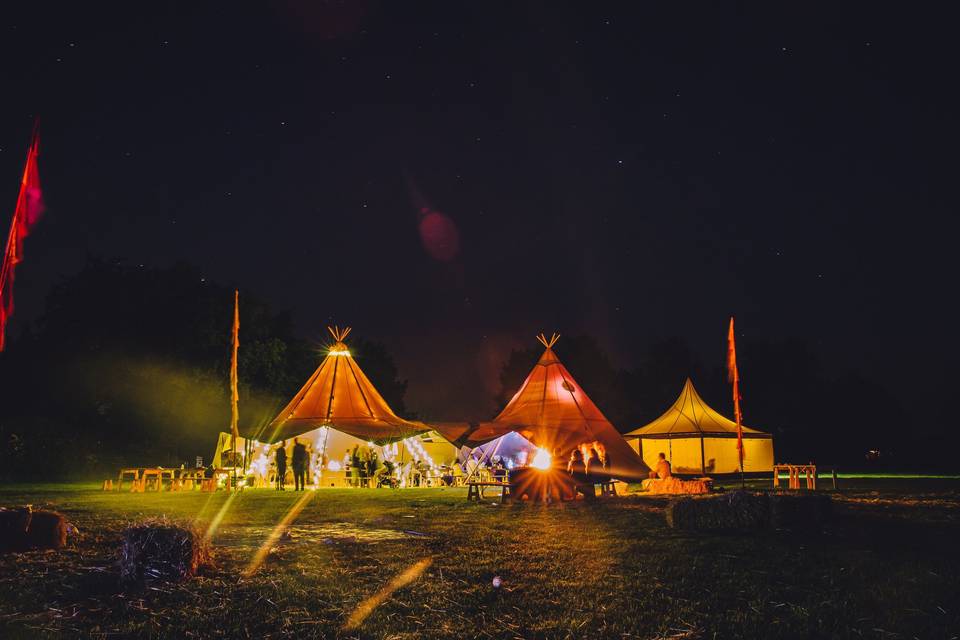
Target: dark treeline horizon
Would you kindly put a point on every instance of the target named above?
(128, 365)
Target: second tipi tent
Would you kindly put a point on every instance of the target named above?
(553, 412)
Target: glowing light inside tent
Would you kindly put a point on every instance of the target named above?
(260, 464)
(418, 452)
(541, 459)
(338, 352)
(333, 465)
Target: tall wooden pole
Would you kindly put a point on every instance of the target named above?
(733, 375)
(234, 392)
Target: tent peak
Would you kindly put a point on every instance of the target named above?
(548, 342)
(338, 348)
(339, 334)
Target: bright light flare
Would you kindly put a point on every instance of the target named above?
(215, 523)
(366, 607)
(278, 530)
(542, 459)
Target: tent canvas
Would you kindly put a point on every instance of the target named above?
(697, 439)
(337, 409)
(339, 395)
(553, 412)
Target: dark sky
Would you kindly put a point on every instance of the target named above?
(635, 171)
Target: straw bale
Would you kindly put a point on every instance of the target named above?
(802, 510)
(731, 511)
(23, 528)
(159, 550)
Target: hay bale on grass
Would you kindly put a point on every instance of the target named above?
(161, 550)
(730, 511)
(800, 510)
(23, 528)
(47, 530)
(746, 510)
(13, 528)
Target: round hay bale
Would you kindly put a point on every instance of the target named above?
(13, 528)
(162, 551)
(732, 511)
(22, 529)
(47, 530)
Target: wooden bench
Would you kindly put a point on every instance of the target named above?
(127, 472)
(608, 488)
(475, 490)
(794, 472)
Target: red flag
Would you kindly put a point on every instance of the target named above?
(29, 208)
(733, 376)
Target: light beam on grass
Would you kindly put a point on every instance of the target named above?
(365, 608)
(217, 519)
(278, 530)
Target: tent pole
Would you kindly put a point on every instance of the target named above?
(484, 456)
(703, 462)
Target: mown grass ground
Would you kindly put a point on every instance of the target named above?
(887, 566)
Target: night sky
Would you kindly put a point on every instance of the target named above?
(453, 178)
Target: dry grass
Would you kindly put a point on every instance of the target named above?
(609, 570)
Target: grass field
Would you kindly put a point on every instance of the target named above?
(887, 566)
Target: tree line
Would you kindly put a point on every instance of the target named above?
(129, 365)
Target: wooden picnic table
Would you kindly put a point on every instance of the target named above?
(159, 473)
(127, 472)
(475, 489)
(142, 474)
(794, 472)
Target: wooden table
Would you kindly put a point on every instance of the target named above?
(794, 471)
(193, 476)
(608, 488)
(159, 473)
(475, 490)
(127, 472)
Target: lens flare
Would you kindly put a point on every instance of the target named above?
(366, 607)
(542, 459)
(278, 530)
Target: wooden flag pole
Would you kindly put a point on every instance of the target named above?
(234, 392)
(733, 375)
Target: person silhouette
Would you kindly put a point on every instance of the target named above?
(281, 459)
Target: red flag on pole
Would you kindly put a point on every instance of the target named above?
(29, 208)
(733, 376)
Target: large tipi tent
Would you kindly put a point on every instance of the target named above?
(337, 409)
(697, 439)
(553, 412)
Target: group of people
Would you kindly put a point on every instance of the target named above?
(582, 456)
(415, 473)
(300, 461)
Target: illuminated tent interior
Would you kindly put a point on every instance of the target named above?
(512, 449)
(337, 409)
(697, 439)
(552, 411)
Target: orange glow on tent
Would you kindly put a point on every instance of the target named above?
(338, 395)
(553, 412)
